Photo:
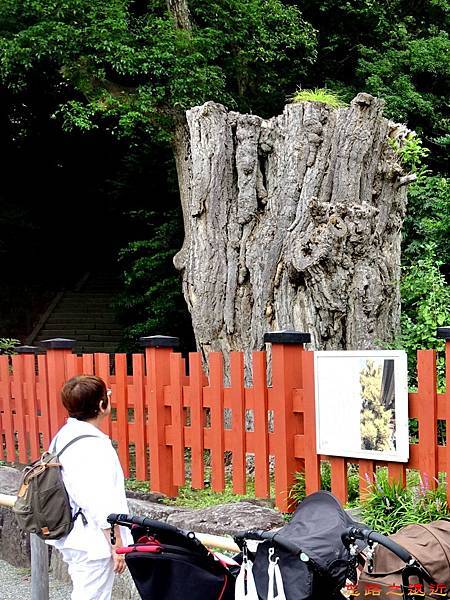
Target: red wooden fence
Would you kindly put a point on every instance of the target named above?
(160, 411)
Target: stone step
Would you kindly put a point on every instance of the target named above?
(92, 294)
(84, 307)
(58, 318)
(94, 335)
(83, 304)
(81, 324)
(91, 348)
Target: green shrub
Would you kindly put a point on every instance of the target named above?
(8, 345)
(391, 506)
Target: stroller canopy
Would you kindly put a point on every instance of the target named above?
(315, 529)
(317, 526)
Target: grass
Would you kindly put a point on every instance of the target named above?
(193, 498)
(207, 497)
(323, 95)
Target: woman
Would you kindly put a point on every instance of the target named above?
(94, 481)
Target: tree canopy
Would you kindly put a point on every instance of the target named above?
(90, 91)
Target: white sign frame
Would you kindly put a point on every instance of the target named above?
(336, 428)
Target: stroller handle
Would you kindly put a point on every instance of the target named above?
(368, 535)
(261, 535)
(129, 520)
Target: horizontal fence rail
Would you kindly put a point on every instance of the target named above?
(171, 423)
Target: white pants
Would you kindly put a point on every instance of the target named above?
(91, 579)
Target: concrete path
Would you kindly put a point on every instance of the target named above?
(16, 583)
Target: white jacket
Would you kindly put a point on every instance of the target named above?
(94, 481)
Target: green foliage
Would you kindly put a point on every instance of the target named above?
(264, 46)
(390, 506)
(396, 50)
(8, 345)
(319, 95)
(428, 220)
(410, 151)
(133, 66)
(152, 298)
(375, 417)
(426, 306)
(297, 492)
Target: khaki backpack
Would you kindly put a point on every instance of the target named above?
(42, 506)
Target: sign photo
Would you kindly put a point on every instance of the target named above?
(362, 404)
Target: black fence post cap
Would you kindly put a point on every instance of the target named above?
(26, 349)
(159, 341)
(443, 333)
(58, 344)
(287, 336)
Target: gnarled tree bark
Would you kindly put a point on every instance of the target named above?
(291, 223)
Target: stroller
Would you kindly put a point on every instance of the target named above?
(316, 556)
(167, 563)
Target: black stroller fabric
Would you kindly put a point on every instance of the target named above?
(173, 566)
(316, 528)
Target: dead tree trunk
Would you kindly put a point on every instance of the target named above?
(291, 223)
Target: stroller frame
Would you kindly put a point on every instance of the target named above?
(412, 568)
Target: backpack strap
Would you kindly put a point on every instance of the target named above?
(79, 512)
(79, 437)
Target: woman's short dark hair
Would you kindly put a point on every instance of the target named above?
(82, 395)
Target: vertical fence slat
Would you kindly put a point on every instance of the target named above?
(175, 392)
(427, 394)
(19, 403)
(261, 426)
(237, 401)
(30, 386)
(339, 478)
(140, 437)
(161, 455)
(312, 460)
(216, 395)
(366, 476)
(7, 418)
(447, 415)
(102, 369)
(42, 388)
(397, 473)
(87, 364)
(197, 420)
(72, 366)
(123, 446)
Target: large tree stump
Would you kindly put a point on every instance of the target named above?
(291, 223)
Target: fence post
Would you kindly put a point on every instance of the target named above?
(157, 358)
(287, 351)
(444, 334)
(57, 351)
(39, 568)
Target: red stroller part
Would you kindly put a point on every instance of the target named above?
(168, 563)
